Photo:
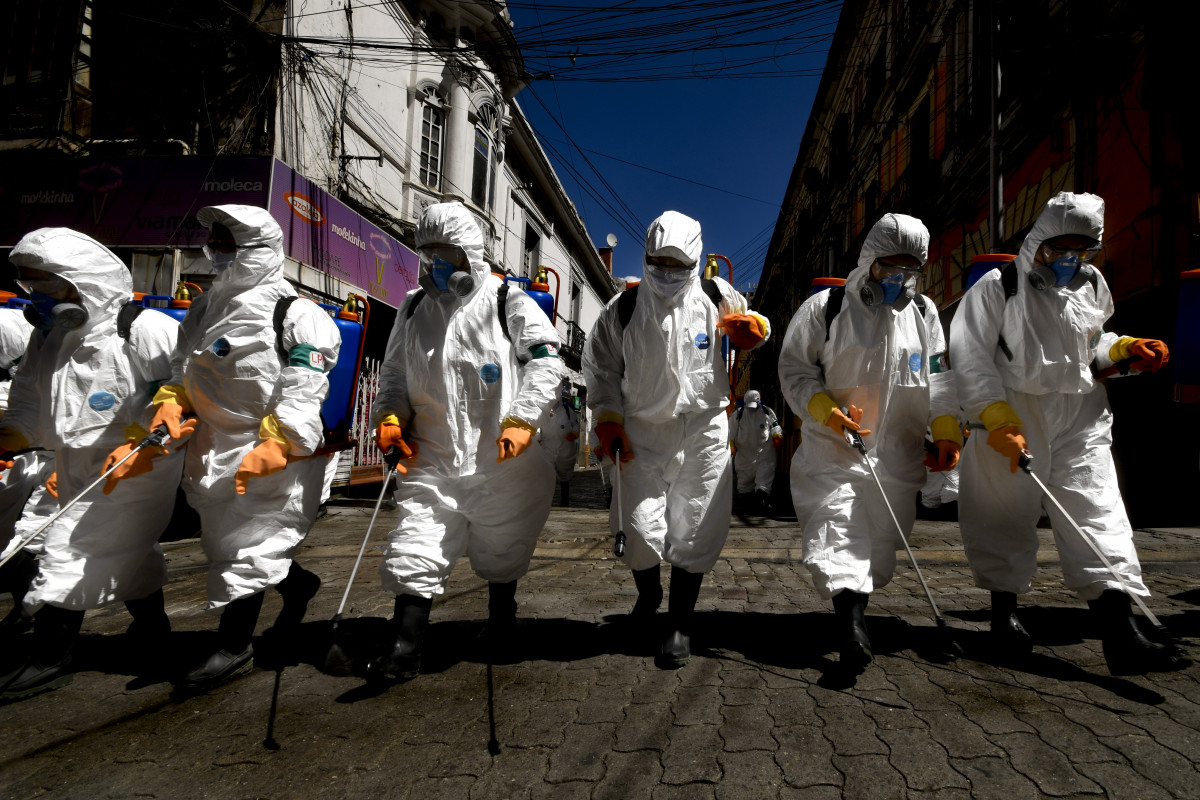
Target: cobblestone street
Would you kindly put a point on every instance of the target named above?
(762, 710)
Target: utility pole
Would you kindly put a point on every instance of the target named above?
(995, 175)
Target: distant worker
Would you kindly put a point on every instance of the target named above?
(1024, 344)
(470, 373)
(755, 434)
(657, 388)
(560, 440)
(83, 389)
(872, 354)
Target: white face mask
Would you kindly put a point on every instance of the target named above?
(219, 260)
(668, 282)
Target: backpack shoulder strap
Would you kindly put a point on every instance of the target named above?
(626, 302)
(920, 302)
(502, 308)
(281, 309)
(125, 317)
(710, 288)
(836, 295)
(411, 308)
(1008, 277)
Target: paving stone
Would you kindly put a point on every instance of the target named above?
(993, 778)
(1122, 783)
(581, 755)
(1070, 737)
(545, 728)
(792, 706)
(628, 775)
(1158, 764)
(923, 763)
(811, 793)
(697, 705)
(691, 755)
(869, 777)
(748, 776)
(806, 757)
(512, 775)
(1171, 734)
(961, 737)
(688, 791)
(747, 728)
(645, 727)
(851, 731)
(1044, 765)
(575, 790)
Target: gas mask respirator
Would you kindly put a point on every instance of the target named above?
(896, 288)
(443, 266)
(1065, 269)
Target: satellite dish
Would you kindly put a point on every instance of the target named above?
(611, 239)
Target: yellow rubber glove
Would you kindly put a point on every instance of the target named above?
(389, 434)
(52, 485)
(1008, 442)
(267, 458)
(613, 432)
(744, 330)
(141, 463)
(170, 404)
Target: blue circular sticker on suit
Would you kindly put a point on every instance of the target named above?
(490, 373)
(914, 362)
(702, 341)
(102, 401)
(221, 348)
(1094, 341)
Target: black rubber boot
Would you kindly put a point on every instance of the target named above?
(410, 620)
(650, 594)
(565, 488)
(297, 589)
(685, 588)
(49, 665)
(235, 655)
(1009, 637)
(762, 502)
(151, 625)
(850, 609)
(15, 577)
(1126, 648)
(498, 636)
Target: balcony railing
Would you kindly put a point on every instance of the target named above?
(573, 342)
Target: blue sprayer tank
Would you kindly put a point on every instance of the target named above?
(824, 284)
(338, 407)
(983, 264)
(544, 299)
(1185, 356)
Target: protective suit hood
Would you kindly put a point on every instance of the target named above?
(102, 280)
(452, 224)
(893, 234)
(260, 246)
(673, 235)
(1065, 214)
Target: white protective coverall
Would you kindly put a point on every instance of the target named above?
(81, 393)
(22, 486)
(1055, 338)
(663, 377)
(450, 376)
(751, 431)
(561, 451)
(877, 359)
(237, 371)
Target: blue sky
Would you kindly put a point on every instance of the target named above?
(723, 108)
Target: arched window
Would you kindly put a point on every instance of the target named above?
(483, 178)
(432, 126)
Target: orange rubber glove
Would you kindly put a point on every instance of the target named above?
(171, 416)
(744, 331)
(5, 463)
(52, 485)
(141, 463)
(387, 435)
(777, 442)
(512, 442)
(572, 437)
(946, 458)
(1152, 353)
(267, 458)
(839, 421)
(610, 432)
(1008, 442)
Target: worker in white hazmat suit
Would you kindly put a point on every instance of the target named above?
(560, 440)
(251, 366)
(658, 387)
(755, 434)
(21, 482)
(879, 361)
(1024, 345)
(84, 388)
(469, 375)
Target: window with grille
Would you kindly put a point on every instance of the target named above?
(432, 119)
